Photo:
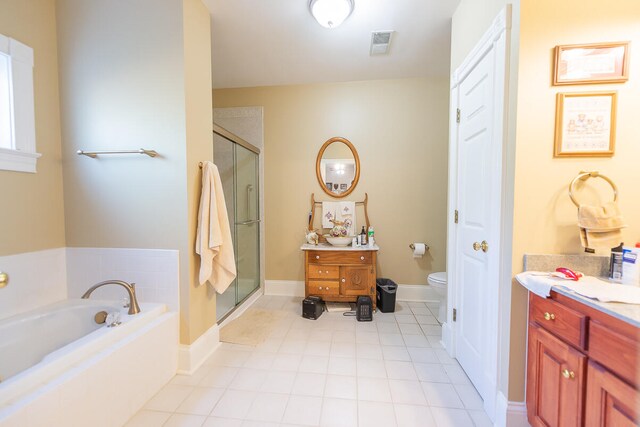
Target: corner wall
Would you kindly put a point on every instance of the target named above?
(545, 217)
(399, 128)
(132, 75)
(33, 209)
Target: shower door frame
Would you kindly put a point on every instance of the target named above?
(219, 130)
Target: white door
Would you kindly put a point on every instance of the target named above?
(478, 183)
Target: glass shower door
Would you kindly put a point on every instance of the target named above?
(247, 222)
(238, 167)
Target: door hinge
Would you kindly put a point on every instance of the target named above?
(458, 115)
(455, 314)
(455, 216)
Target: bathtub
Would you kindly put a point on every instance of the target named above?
(58, 367)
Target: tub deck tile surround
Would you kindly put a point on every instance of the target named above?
(333, 371)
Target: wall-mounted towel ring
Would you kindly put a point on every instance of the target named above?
(583, 176)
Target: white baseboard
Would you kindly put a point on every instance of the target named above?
(517, 415)
(510, 414)
(286, 288)
(191, 357)
(418, 293)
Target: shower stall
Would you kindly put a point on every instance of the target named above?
(237, 162)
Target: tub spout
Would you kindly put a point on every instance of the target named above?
(134, 308)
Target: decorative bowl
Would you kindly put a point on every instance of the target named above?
(339, 241)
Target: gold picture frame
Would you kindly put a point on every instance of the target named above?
(591, 63)
(585, 124)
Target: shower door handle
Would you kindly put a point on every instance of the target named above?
(253, 221)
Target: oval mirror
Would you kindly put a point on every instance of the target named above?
(338, 167)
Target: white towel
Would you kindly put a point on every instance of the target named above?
(329, 212)
(540, 283)
(213, 237)
(347, 212)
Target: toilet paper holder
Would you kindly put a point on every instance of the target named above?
(412, 246)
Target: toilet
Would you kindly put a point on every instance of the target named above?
(439, 282)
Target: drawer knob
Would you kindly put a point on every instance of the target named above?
(327, 271)
(568, 374)
(320, 287)
(327, 288)
(317, 256)
(319, 271)
(549, 316)
(361, 258)
(343, 280)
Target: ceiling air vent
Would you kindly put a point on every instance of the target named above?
(380, 42)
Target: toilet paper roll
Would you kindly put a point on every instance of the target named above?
(418, 250)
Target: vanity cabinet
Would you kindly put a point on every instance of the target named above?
(582, 366)
(340, 274)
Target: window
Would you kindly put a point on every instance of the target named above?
(17, 117)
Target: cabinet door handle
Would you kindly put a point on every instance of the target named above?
(343, 280)
(317, 256)
(549, 316)
(568, 374)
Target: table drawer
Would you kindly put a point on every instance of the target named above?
(340, 257)
(319, 271)
(323, 287)
(617, 352)
(561, 321)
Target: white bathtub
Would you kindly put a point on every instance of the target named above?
(58, 367)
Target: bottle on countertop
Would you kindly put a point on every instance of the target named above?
(370, 236)
(631, 265)
(615, 265)
(363, 237)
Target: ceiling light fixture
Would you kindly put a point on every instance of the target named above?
(331, 13)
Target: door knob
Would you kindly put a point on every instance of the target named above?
(4, 279)
(568, 374)
(484, 246)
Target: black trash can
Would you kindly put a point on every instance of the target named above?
(386, 295)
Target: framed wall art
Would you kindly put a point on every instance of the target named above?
(585, 124)
(591, 63)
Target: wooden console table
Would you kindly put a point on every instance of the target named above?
(340, 274)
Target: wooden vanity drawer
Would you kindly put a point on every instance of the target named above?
(561, 321)
(340, 257)
(319, 271)
(616, 351)
(323, 287)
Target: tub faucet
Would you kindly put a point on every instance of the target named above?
(134, 308)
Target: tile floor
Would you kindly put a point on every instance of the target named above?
(333, 371)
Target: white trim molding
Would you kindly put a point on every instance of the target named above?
(22, 155)
(510, 414)
(191, 357)
(286, 288)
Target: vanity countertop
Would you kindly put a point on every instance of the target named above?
(329, 247)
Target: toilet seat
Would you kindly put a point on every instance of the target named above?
(438, 279)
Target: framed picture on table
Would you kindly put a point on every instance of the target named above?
(591, 63)
(585, 124)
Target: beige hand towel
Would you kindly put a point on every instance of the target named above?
(213, 237)
(600, 226)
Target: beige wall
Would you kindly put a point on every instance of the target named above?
(199, 116)
(33, 212)
(545, 218)
(399, 128)
(130, 75)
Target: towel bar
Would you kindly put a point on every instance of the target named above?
(583, 176)
(94, 154)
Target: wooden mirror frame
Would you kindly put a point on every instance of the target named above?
(356, 178)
